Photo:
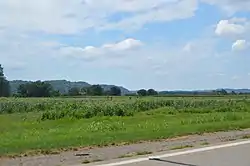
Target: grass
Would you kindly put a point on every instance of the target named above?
(228, 139)
(24, 133)
(143, 153)
(91, 161)
(205, 143)
(135, 154)
(246, 137)
(181, 147)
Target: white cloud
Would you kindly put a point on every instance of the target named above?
(124, 45)
(158, 65)
(197, 46)
(231, 27)
(235, 77)
(220, 74)
(216, 75)
(91, 52)
(52, 44)
(189, 61)
(46, 16)
(188, 47)
(78, 52)
(168, 11)
(74, 16)
(240, 45)
(231, 6)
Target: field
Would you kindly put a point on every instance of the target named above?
(50, 125)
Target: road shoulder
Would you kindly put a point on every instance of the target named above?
(95, 155)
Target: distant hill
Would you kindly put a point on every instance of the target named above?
(238, 90)
(202, 92)
(124, 91)
(183, 92)
(63, 86)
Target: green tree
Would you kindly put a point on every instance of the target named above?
(115, 91)
(142, 92)
(152, 92)
(22, 90)
(4, 84)
(234, 93)
(84, 91)
(222, 92)
(74, 91)
(35, 89)
(95, 90)
(55, 93)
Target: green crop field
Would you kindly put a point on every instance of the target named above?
(49, 125)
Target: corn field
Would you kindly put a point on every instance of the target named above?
(52, 109)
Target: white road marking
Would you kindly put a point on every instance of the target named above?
(176, 153)
(201, 149)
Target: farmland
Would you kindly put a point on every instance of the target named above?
(44, 125)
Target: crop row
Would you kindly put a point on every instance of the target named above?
(129, 109)
(19, 106)
(57, 109)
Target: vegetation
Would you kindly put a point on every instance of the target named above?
(135, 154)
(63, 86)
(44, 89)
(4, 84)
(35, 89)
(52, 109)
(142, 92)
(149, 92)
(95, 90)
(114, 91)
(53, 122)
(152, 92)
(41, 125)
(181, 147)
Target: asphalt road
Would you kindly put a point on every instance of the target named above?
(231, 154)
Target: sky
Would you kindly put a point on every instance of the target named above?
(160, 44)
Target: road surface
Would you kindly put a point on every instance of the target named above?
(231, 154)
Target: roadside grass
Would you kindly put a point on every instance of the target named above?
(228, 139)
(23, 134)
(181, 147)
(205, 143)
(91, 161)
(135, 154)
(246, 137)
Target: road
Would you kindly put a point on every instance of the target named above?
(231, 154)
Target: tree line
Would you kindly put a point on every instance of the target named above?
(94, 90)
(44, 89)
(149, 92)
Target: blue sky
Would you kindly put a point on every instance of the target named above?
(161, 44)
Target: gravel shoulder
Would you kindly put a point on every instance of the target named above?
(89, 155)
